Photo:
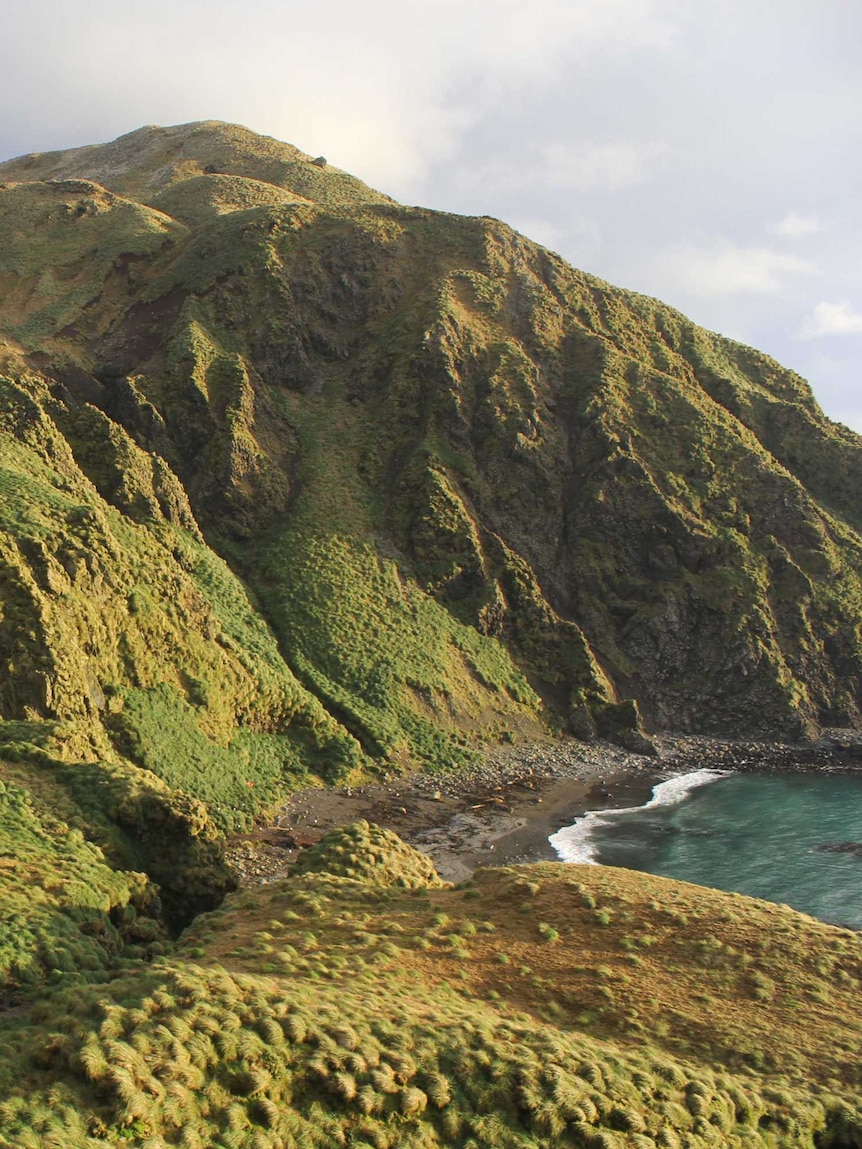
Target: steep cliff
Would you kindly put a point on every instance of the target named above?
(298, 484)
(467, 488)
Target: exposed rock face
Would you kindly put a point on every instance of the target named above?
(467, 487)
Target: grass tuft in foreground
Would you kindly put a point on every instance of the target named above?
(372, 1010)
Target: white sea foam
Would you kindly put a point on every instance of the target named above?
(575, 843)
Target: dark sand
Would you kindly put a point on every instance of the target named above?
(502, 810)
(499, 814)
(497, 837)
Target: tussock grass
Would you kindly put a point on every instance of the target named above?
(66, 913)
(410, 433)
(353, 1040)
(369, 853)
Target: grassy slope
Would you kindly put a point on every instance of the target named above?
(613, 497)
(233, 448)
(65, 909)
(123, 636)
(446, 466)
(539, 1006)
(104, 608)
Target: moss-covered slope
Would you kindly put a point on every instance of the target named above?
(295, 480)
(446, 463)
(297, 483)
(541, 1006)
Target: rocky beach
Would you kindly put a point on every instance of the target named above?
(503, 810)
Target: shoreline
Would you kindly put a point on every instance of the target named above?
(503, 810)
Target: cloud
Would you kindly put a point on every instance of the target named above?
(795, 226)
(384, 89)
(822, 365)
(609, 166)
(838, 318)
(580, 166)
(723, 268)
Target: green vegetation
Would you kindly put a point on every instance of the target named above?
(311, 1013)
(63, 245)
(65, 910)
(368, 853)
(394, 666)
(161, 731)
(470, 490)
(299, 486)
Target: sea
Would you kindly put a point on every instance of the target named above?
(794, 839)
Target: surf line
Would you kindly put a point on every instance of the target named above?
(576, 843)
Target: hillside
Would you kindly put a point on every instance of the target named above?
(298, 486)
(466, 488)
(366, 1003)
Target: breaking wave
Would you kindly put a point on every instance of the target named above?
(576, 843)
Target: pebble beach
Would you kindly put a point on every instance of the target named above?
(503, 810)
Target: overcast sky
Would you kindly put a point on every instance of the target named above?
(703, 151)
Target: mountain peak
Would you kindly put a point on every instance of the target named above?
(536, 497)
(149, 160)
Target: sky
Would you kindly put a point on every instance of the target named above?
(706, 152)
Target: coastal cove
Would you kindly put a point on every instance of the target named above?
(505, 810)
(791, 838)
(350, 553)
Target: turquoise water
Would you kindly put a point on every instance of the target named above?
(753, 833)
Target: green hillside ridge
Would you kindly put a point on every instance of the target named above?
(298, 486)
(298, 482)
(631, 507)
